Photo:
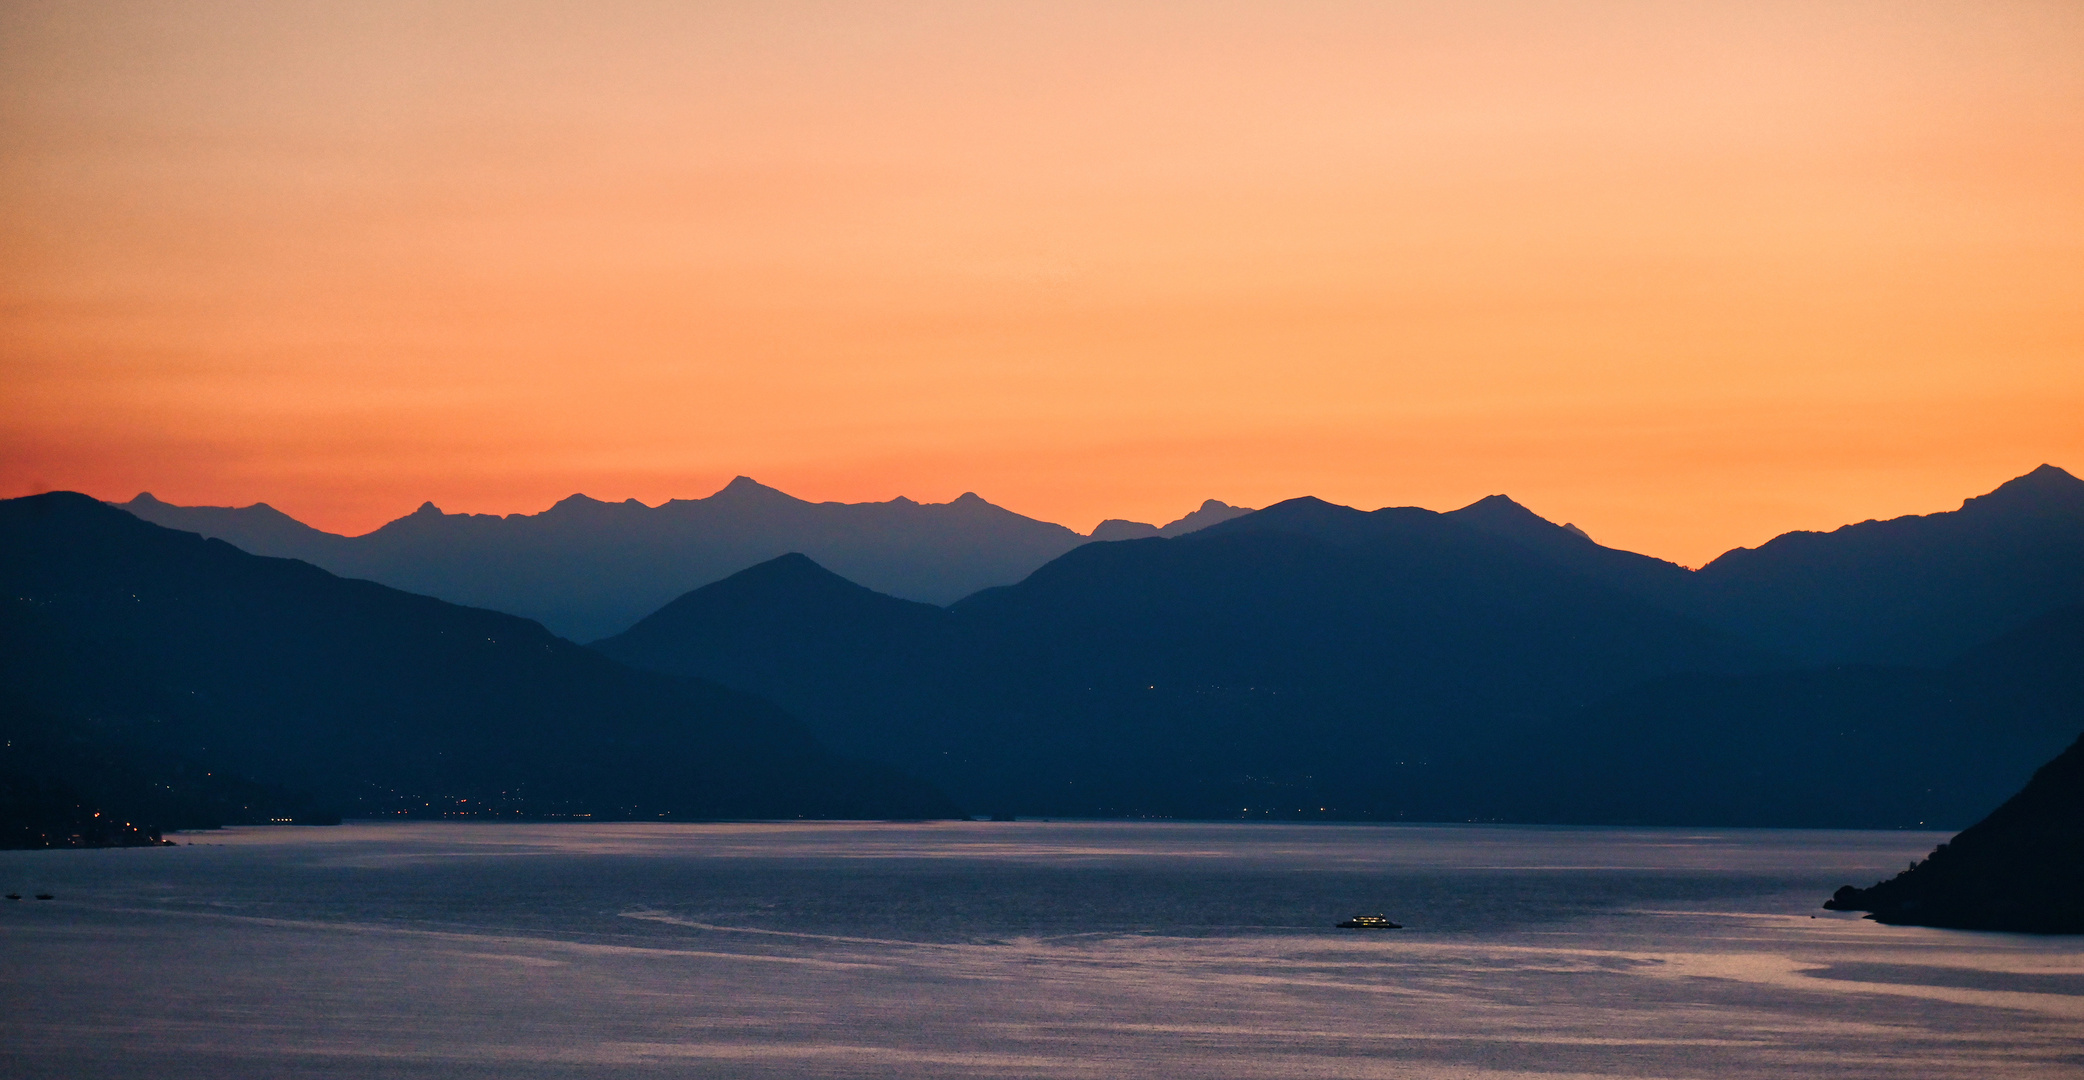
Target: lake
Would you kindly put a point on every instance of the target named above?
(1023, 949)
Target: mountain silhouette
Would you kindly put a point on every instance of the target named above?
(1316, 660)
(2020, 869)
(1306, 659)
(1309, 659)
(586, 568)
(1912, 589)
(1568, 546)
(122, 641)
(1909, 591)
(250, 528)
(1209, 513)
(810, 638)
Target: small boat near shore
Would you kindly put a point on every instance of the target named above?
(1370, 922)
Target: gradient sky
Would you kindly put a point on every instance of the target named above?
(1686, 274)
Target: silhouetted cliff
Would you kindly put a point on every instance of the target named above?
(2020, 869)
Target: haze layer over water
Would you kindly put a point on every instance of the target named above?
(1024, 949)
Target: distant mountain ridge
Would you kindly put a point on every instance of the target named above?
(1209, 513)
(1406, 663)
(587, 568)
(138, 661)
(1911, 589)
(1916, 589)
(1310, 659)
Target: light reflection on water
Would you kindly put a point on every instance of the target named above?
(1069, 949)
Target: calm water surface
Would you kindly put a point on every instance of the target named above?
(1028, 949)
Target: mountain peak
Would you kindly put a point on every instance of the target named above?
(2051, 473)
(1306, 514)
(145, 498)
(795, 564)
(792, 569)
(1212, 512)
(745, 487)
(1307, 502)
(785, 583)
(1123, 529)
(69, 502)
(2045, 488)
(586, 508)
(968, 498)
(1499, 515)
(427, 509)
(1499, 506)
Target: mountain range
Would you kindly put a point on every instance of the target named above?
(1303, 660)
(1915, 589)
(154, 673)
(1315, 660)
(586, 568)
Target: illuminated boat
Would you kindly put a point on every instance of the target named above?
(1370, 922)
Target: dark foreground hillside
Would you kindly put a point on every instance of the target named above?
(2020, 869)
(133, 656)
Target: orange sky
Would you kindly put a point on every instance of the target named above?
(1688, 275)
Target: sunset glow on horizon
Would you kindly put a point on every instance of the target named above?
(1688, 276)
